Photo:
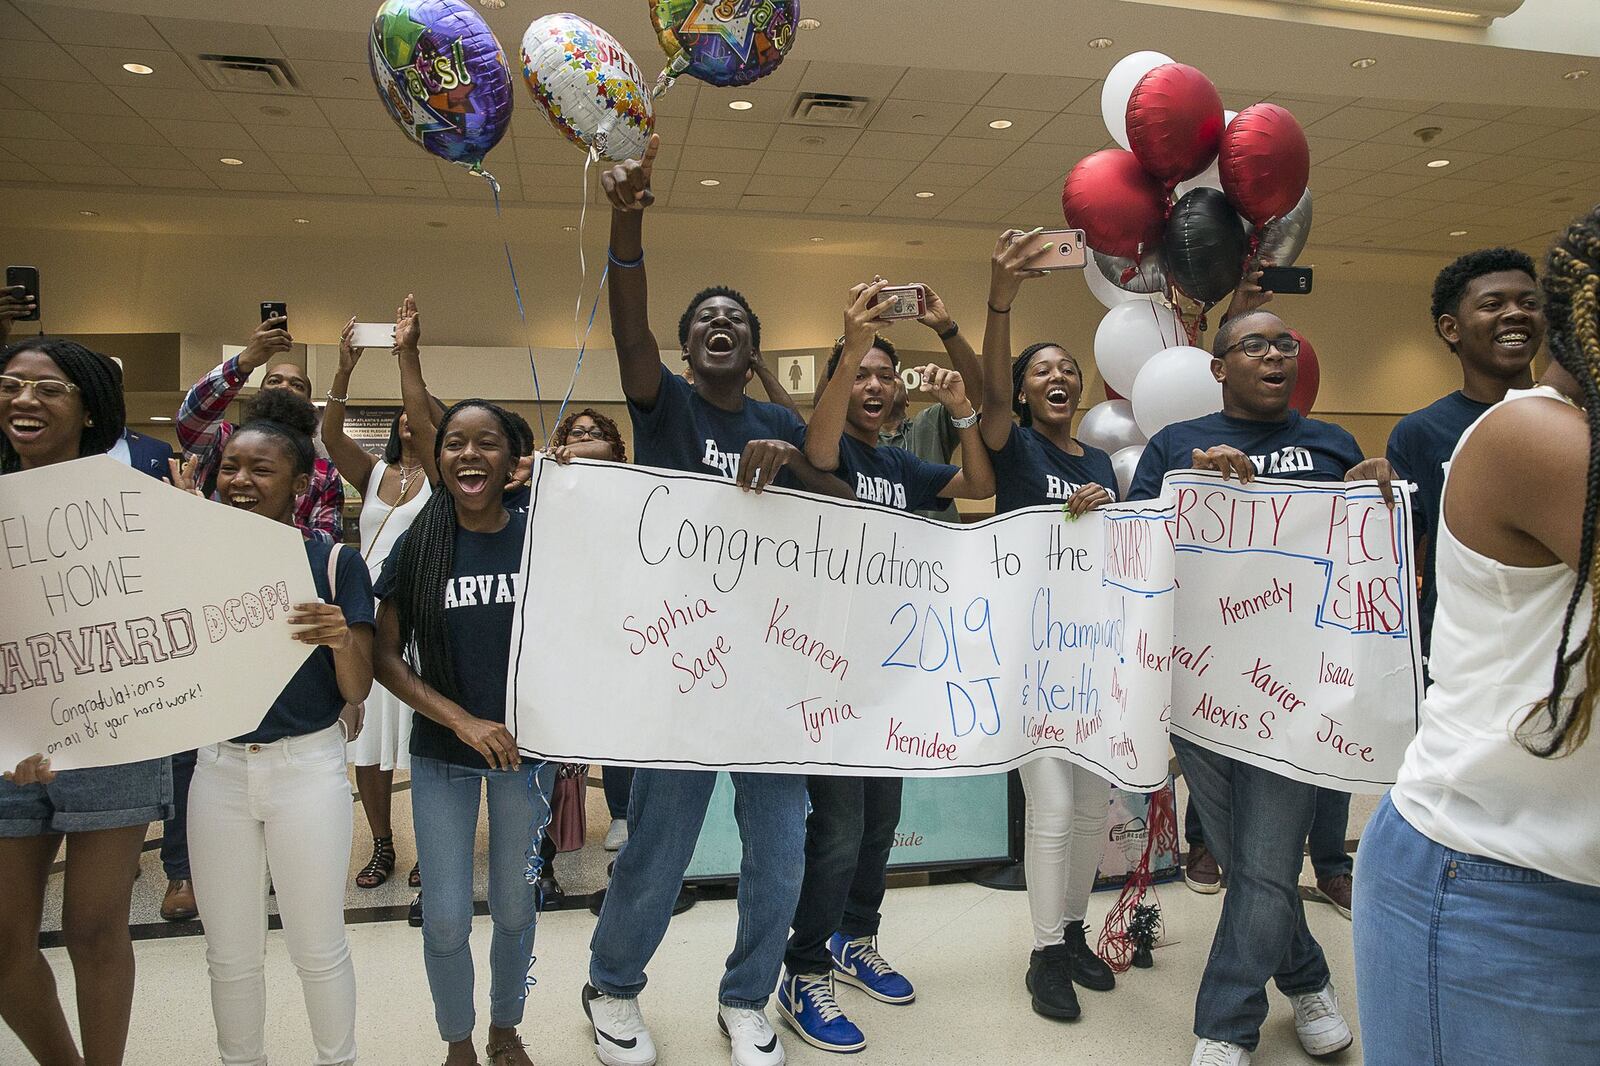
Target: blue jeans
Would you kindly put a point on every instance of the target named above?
(849, 836)
(1463, 960)
(1256, 824)
(665, 813)
(444, 808)
(1328, 828)
(175, 830)
(617, 782)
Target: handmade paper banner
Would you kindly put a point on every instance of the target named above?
(1296, 644)
(788, 633)
(139, 620)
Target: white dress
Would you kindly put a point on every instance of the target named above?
(385, 740)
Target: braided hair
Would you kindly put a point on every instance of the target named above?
(423, 559)
(613, 435)
(1571, 283)
(289, 417)
(1019, 373)
(99, 386)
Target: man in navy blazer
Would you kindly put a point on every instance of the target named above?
(145, 454)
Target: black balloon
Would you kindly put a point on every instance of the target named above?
(1205, 245)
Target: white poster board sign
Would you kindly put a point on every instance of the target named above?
(139, 620)
(789, 633)
(1296, 647)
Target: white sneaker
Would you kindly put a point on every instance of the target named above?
(754, 1042)
(1219, 1053)
(620, 1035)
(1319, 1024)
(617, 835)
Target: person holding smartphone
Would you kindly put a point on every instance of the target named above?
(15, 303)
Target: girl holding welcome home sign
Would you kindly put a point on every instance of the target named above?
(59, 402)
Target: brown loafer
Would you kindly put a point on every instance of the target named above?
(179, 906)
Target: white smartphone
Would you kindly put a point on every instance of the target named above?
(373, 335)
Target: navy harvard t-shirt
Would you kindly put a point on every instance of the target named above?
(1030, 471)
(480, 604)
(311, 700)
(1422, 442)
(1297, 447)
(683, 432)
(892, 476)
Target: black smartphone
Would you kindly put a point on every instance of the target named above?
(1291, 281)
(275, 309)
(27, 279)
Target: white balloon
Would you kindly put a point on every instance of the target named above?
(1109, 426)
(1211, 177)
(1128, 336)
(1125, 461)
(1105, 290)
(1175, 386)
(1119, 86)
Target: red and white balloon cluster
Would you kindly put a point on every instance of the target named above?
(1194, 194)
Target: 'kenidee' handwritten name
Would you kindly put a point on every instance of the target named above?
(105, 646)
(730, 550)
(69, 530)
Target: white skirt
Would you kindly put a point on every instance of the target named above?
(385, 740)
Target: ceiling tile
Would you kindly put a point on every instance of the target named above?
(1560, 175)
(349, 114)
(771, 185)
(389, 187)
(875, 144)
(1074, 129)
(1573, 144)
(408, 168)
(998, 203)
(1418, 163)
(1409, 107)
(1499, 137)
(312, 139)
(364, 142)
(1329, 179)
(210, 161)
(10, 101)
(851, 79)
(951, 174)
(1060, 158)
(348, 80)
(840, 189)
(14, 25)
(1344, 229)
(820, 139)
(972, 210)
(943, 195)
(52, 153)
(31, 124)
(74, 175)
(192, 36)
(832, 205)
(156, 156)
(1024, 124)
(918, 116)
(110, 129)
(1035, 92)
(1354, 123)
(855, 168)
(1500, 168)
(1485, 112)
(70, 97)
(105, 64)
(1371, 155)
(170, 179)
(1334, 204)
(1028, 179)
(187, 134)
(802, 164)
(268, 110)
(1557, 117)
(110, 29)
(718, 161)
(973, 151)
(301, 164)
(1394, 207)
(720, 133)
(477, 190)
(681, 102)
(1325, 148)
(329, 45)
(1304, 111)
(190, 105)
(786, 78)
(37, 59)
(770, 105)
(1452, 129)
(788, 204)
(1088, 103)
(1384, 184)
(688, 194)
(20, 172)
(949, 86)
(1044, 209)
(348, 185)
(245, 180)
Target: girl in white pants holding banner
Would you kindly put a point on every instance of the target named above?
(278, 796)
(1039, 462)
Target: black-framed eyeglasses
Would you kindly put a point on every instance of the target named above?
(43, 388)
(592, 432)
(1255, 346)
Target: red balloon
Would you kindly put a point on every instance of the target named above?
(1265, 162)
(1116, 203)
(1112, 394)
(1305, 385)
(1175, 122)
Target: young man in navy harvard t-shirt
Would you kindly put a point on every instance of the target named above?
(1257, 822)
(850, 832)
(708, 427)
(1486, 307)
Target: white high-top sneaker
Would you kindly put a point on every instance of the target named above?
(1319, 1023)
(1219, 1053)
(754, 1042)
(620, 1036)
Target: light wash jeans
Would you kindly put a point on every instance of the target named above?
(444, 809)
(1067, 811)
(284, 805)
(1465, 961)
(665, 811)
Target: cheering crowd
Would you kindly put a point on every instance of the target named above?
(1476, 902)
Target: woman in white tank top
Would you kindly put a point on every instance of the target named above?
(1477, 910)
(393, 489)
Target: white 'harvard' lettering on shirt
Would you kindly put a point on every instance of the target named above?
(880, 490)
(480, 590)
(1283, 461)
(725, 463)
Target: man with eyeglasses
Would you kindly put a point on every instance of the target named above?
(1255, 821)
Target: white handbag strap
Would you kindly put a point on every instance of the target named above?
(333, 571)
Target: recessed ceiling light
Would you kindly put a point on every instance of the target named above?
(1574, 75)
(811, 140)
(915, 244)
(437, 225)
(1101, 42)
(816, 240)
(710, 183)
(275, 111)
(1363, 63)
(138, 68)
(1000, 124)
(1458, 233)
(740, 105)
(924, 195)
(161, 418)
(229, 161)
(569, 229)
(302, 221)
(89, 214)
(1435, 164)
(810, 24)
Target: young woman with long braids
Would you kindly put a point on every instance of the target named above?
(1477, 923)
(58, 402)
(278, 796)
(449, 596)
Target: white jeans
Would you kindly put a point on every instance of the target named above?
(287, 805)
(1066, 831)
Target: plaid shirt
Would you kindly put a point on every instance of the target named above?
(203, 431)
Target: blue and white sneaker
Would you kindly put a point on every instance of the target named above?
(808, 1005)
(857, 962)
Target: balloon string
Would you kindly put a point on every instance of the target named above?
(581, 341)
(522, 311)
(583, 266)
(583, 345)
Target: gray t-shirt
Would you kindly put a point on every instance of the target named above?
(929, 436)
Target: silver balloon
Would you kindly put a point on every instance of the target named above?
(1125, 461)
(1149, 276)
(1110, 426)
(1283, 239)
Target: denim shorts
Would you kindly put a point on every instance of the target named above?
(81, 801)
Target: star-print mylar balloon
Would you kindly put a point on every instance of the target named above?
(725, 42)
(587, 86)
